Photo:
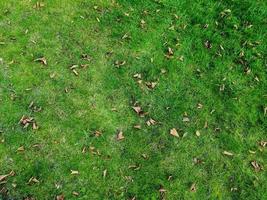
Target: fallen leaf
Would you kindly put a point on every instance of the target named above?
(21, 149)
(137, 109)
(34, 126)
(75, 193)
(186, 119)
(151, 122)
(118, 64)
(198, 133)
(208, 44)
(193, 187)
(75, 72)
(105, 173)
(227, 153)
(41, 60)
(137, 126)
(257, 167)
(145, 156)
(74, 172)
(139, 76)
(120, 136)
(169, 53)
(98, 133)
(199, 106)
(60, 197)
(263, 143)
(162, 190)
(174, 132)
(33, 180)
(151, 85)
(3, 177)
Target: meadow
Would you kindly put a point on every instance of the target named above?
(133, 99)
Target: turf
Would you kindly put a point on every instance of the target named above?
(198, 67)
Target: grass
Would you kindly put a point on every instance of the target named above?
(208, 59)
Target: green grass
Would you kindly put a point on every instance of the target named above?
(229, 80)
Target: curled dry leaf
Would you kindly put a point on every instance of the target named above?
(257, 167)
(60, 197)
(169, 53)
(142, 23)
(139, 76)
(41, 60)
(97, 133)
(137, 126)
(105, 173)
(227, 153)
(74, 172)
(20, 149)
(208, 44)
(137, 109)
(3, 177)
(75, 193)
(38, 5)
(186, 119)
(120, 136)
(174, 132)
(118, 63)
(151, 122)
(86, 57)
(33, 180)
(199, 106)
(26, 121)
(151, 85)
(263, 143)
(193, 187)
(162, 190)
(198, 133)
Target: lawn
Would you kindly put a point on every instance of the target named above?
(133, 99)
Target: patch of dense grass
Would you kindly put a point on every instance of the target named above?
(196, 66)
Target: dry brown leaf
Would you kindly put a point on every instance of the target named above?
(60, 197)
(227, 153)
(3, 177)
(208, 44)
(120, 136)
(38, 5)
(199, 106)
(162, 190)
(34, 126)
(186, 119)
(75, 72)
(174, 132)
(33, 180)
(41, 60)
(151, 122)
(263, 143)
(21, 149)
(151, 85)
(137, 109)
(105, 173)
(74, 172)
(118, 63)
(142, 23)
(169, 53)
(139, 76)
(98, 133)
(198, 133)
(193, 187)
(257, 167)
(137, 126)
(145, 156)
(75, 193)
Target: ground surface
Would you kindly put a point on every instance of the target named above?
(72, 71)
